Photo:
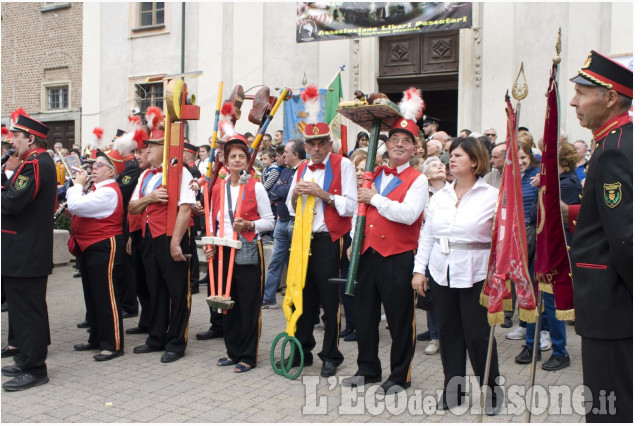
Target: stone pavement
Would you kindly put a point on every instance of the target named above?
(139, 388)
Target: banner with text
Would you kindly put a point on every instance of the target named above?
(337, 20)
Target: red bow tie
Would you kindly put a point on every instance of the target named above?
(389, 170)
(156, 170)
(319, 166)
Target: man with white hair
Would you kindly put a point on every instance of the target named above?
(434, 148)
(491, 133)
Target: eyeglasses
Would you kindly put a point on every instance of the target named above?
(100, 164)
(404, 141)
(490, 134)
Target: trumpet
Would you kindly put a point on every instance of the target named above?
(63, 205)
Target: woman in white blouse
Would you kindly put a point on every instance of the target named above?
(454, 246)
(241, 324)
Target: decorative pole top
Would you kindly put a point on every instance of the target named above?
(557, 59)
(520, 89)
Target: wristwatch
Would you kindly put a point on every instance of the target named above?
(331, 199)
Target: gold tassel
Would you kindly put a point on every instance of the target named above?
(507, 304)
(527, 315)
(484, 300)
(497, 318)
(508, 284)
(565, 314)
(545, 287)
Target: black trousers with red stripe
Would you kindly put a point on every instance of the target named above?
(169, 285)
(141, 284)
(386, 280)
(242, 323)
(324, 264)
(98, 264)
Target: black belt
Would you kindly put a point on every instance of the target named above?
(317, 235)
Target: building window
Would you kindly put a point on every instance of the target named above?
(151, 14)
(149, 95)
(57, 98)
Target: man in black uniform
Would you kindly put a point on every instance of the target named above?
(602, 247)
(28, 203)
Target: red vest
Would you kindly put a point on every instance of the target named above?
(135, 222)
(155, 214)
(89, 231)
(249, 209)
(388, 237)
(337, 225)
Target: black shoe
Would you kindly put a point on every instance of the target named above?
(351, 337)
(194, 289)
(493, 403)
(83, 324)
(78, 274)
(444, 405)
(203, 282)
(85, 347)
(209, 334)
(5, 307)
(105, 357)
(24, 381)
(392, 387)
(129, 314)
(12, 370)
(525, 356)
(137, 330)
(328, 369)
(508, 323)
(358, 380)
(296, 362)
(345, 332)
(170, 356)
(424, 336)
(145, 348)
(556, 363)
(10, 352)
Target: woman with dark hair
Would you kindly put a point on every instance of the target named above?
(454, 247)
(241, 324)
(361, 141)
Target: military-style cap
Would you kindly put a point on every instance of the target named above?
(190, 148)
(598, 70)
(427, 120)
(114, 158)
(31, 126)
(316, 131)
(237, 140)
(405, 126)
(157, 137)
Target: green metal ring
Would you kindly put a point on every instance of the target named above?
(286, 367)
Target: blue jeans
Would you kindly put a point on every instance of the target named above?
(556, 327)
(433, 328)
(282, 235)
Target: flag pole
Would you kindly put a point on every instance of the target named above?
(532, 372)
(488, 364)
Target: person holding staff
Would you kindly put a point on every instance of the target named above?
(241, 324)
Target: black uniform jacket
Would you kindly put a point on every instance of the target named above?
(28, 204)
(127, 181)
(602, 247)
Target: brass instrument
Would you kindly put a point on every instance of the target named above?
(63, 205)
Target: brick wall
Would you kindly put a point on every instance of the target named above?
(40, 46)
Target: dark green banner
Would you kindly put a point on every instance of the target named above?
(337, 20)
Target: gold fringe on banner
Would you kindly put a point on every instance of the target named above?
(507, 305)
(484, 300)
(545, 287)
(565, 314)
(497, 318)
(527, 315)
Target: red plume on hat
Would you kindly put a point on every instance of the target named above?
(226, 121)
(134, 122)
(97, 141)
(412, 105)
(15, 114)
(5, 133)
(311, 98)
(127, 143)
(154, 116)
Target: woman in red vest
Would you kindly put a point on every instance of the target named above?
(97, 236)
(241, 324)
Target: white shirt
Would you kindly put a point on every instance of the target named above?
(186, 195)
(202, 166)
(345, 203)
(100, 203)
(263, 224)
(409, 209)
(471, 221)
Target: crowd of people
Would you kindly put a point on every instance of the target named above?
(427, 240)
